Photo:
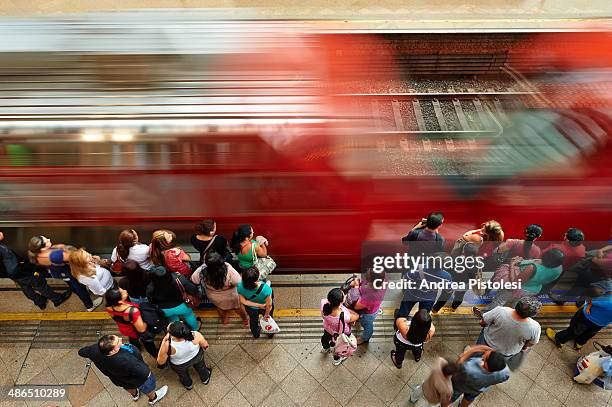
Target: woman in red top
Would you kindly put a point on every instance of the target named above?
(128, 319)
(165, 253)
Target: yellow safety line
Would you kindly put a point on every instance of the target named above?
(283, 313)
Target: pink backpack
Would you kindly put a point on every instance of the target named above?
(344, 345)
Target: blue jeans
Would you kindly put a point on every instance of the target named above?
(367, 323)
(174, 314)
(76, 287)
(139, 300)
(481, 339)
(149, 385)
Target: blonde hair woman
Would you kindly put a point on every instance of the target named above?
(95, 277)
(43, 252)
(164, 252)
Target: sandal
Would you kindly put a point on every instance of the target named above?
(393, 360)
(245, 322)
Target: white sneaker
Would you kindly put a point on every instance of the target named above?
(137, 396)
(159, 394)
(336, 362)
(96, 304)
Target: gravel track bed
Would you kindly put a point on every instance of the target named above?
(450, 116)
(429, 115)
(472, 117)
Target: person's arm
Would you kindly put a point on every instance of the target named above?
(261, 250)
(489, 317)
(248, 303)
(184, 256)
(162, 355)
(358, 305)
(85, 352)
(403, 326)
(199, 339)
(268, 307)
(139, 324)
(505, 246)
(354, 316)
(473, 350)
(431, 333)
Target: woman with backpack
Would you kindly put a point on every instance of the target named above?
(164, 252)
(166, 291)
(411, 335)
(129, 320)
(220, 283)
(184, 348)
(337, 320)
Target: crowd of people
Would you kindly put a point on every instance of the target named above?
(153, 289)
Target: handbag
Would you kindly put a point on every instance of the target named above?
(344, 345)
(270, 326)
(193, 301)
(265, 265)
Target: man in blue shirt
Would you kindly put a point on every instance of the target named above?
(595, 315)
(423, 296)
(480, 368)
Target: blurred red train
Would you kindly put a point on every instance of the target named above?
(255, 132)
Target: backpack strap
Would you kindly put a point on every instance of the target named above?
(341, 322)
(257, 292)
(208, 246)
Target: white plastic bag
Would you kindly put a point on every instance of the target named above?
(589, 367)
(269, 327)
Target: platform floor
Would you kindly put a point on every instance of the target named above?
(360, 14)
(286, 370)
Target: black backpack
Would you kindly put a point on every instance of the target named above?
(154, 317)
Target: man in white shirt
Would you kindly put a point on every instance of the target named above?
(511, 332)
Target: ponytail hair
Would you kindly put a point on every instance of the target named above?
(159, 244)
(334, 299)
(241, 233)
(532, 232)
(35, 246)
(127, 239)
(419, 327)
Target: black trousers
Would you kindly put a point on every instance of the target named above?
(198, 364)
(149, 345)
(254, 319)
(580, 329)
(457, 300)
(401, 348)
(36, 289)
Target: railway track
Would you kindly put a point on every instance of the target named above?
(440, 114)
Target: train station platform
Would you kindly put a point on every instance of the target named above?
(40, 348)
(361, 15)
